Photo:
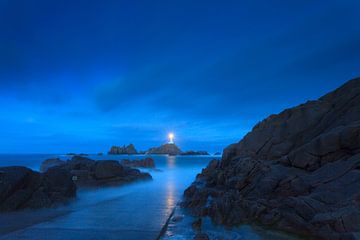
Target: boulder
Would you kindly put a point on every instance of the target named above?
(51, 162)
(86, 172)
(108, 169)
(297, 171)
(22, 188)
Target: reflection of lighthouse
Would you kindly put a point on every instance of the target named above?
(171, 138)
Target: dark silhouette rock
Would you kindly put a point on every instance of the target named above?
(145, 163)
(86, 172)
(22, 188)
(130, 149)
(49, 163)
(297, 171)
(191, 152)
(108, 169)
(168, 148)
(217, 153)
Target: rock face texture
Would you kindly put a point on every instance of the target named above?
(145, 163)
(86, 172)
(168, 148)
(297, 171)
(130, 149)
(22, 188)
(195, 153)
(51, 162)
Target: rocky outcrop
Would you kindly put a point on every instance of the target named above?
(144, 163)
(191, 152)
(86, 172)
(130, 149)
(22, 188)
(297, 171)
(217, 153)
(51, 162)
(168, 148)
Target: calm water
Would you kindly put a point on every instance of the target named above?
(136, 211)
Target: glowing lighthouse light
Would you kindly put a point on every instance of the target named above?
(171, 137)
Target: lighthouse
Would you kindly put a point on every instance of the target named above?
(171, 138)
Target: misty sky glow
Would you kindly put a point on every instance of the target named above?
(80, 76)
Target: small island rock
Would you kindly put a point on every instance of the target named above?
(130, 149)
(168, 148)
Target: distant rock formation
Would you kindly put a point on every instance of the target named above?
(22, 188)
(130, 149)
(87, 172)
(191, 152)
(168, 148)
(217, 153)
(145, 163)
(297, 171)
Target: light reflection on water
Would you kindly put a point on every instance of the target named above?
(134, 211)
(140, 207)
(171, 162)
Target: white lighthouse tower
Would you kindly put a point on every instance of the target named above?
(171, 138)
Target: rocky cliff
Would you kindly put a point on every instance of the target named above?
(297, 171)
(130, 149)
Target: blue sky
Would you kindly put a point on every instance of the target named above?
(80, 76)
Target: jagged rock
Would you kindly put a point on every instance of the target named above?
(195, 153)
(145, 163)
(130, 149)
(51, 162)
(22, 188)
(217, 153)
(297, 171)
(87, 172)
(168, 148)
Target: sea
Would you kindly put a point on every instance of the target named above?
(136, 211)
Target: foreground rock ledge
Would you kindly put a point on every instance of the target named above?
(90, 173)
(22, 188)
(297, 171)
